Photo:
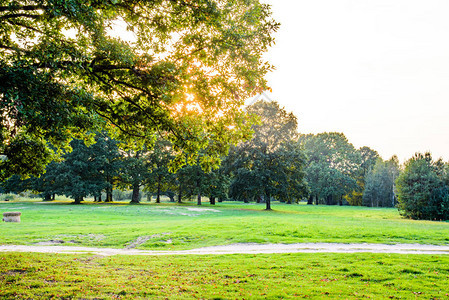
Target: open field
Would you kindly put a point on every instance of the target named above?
(238, 276)
(274, 276)
(175, 227)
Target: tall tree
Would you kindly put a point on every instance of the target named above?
(379, 184)
(185, 73)
(79, 173)
(105, 157)
(331, 167)
(422, 189)
(260, 167)
(134, 172)
(368, 158)
(160, 179)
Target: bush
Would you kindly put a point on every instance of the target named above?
(8, 197)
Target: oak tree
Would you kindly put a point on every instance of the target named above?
(178, 68)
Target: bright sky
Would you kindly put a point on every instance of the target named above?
(376, 70)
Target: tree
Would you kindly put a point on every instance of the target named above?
(217, 185)
(15, 185)
(79, 173)
(105, 158)
(368, 160)
(160, 179)
(134, 172)
(47, 183)
(184, 73)
(331, 167)
(261, 167)
(422, 192)
(379, 184)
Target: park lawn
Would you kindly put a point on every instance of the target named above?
(269, 276)
(169, 226)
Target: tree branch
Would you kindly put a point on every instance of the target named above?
(18, 15)
(24, 7)
(13, 22)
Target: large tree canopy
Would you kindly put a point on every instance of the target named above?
(183, 71)
(331, 168)
(271, 164)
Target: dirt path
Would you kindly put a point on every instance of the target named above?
(242, 249)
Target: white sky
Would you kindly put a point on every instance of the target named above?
(376, 70)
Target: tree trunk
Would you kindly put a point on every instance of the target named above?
(212, 200)
(53, 196)
(267, 201)
(340, 201)
(310, 200)
(198, 199)
(171, 196)
(108, 194)
(220, 199)
(78, 200)
(198, 186)
(180, 194)
(47, 197)
(317, 201)
(158, 196)
(135, 196)
(99, 197)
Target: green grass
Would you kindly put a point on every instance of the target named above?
(275, 276)
(267, 276)
(173, 226)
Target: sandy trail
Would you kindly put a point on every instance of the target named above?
(242, 249)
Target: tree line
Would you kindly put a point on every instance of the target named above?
(278, 164)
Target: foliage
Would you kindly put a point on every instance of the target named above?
(422, 192)
(179, 68)
(135, 171)
(368, 159)
(379, 186)
(160, 179)
(269, 165)
(332, 166)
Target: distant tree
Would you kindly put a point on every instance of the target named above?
(134, 172)
(379, 186)
(217, 185)
(331, 169)
(108, 162)
(79, 173)
(15, 184)
(47, 183)
(291, 185)
(422, 191)
(368, 160)
(159, 179)
(260, 167)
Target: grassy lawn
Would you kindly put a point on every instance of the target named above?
(274, 276)
(169, 226)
